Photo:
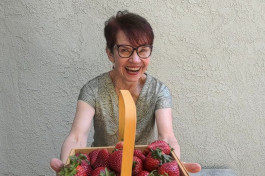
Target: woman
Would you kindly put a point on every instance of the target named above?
(129, 46)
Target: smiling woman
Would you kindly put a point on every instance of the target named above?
(128, 72)
(129, 39)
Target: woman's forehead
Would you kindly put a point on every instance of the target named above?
(123, 39)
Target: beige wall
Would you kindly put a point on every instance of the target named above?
(209, 53)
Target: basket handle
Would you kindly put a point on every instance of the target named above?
(127, 129)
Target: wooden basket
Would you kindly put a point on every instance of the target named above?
(127, 129)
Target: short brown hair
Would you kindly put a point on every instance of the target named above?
(136, 28)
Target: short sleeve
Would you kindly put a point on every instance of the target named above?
(87, 94)
(164, 99)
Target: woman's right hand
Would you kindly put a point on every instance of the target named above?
(56, 165)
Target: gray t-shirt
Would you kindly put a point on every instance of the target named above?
(100, 94)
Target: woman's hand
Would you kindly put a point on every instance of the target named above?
(192, 167)
(56, 165)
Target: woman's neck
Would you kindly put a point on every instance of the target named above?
(133, 87)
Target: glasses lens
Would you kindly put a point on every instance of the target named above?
(144, 51)
(125, 51)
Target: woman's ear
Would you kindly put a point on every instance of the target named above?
(110, 55)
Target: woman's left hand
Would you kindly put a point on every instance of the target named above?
(192, 167)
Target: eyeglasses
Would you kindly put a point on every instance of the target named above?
(126, 51)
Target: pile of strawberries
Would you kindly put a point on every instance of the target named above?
(155, 160)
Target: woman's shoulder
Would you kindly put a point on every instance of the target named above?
(94, 81)
(93, 86)
(154, 82)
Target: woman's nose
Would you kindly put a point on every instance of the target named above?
(134, 57)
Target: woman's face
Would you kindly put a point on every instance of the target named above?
(129, 69)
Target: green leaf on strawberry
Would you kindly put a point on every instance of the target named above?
(107, 173)
(74, 167)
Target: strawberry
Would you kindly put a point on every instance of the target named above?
(119, 145)
(102, 159)
(86, 155)
(137, 165)
(143, 173)
(93, 156)
(169, 169)
(80, 171)
(151, 163)
(85, 163)
(155, 158)
(139, 154)
(88, 169)
(97, 171)
(102, 171)
(158, 144)
(146, 173)
(74, 168)
(114, 161)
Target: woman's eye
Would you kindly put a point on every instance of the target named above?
(143, 50)
(125, 50)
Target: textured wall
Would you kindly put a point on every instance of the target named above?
(209, 53)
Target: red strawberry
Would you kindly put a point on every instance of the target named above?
(88, 169)
(85, 163)
(102, 171)
(74, 168)
(102, 159)
(143, 173)
(151, 163)
(155, 158)
(119, 145)
(93, 156)
(137, 165)
(158, 144)
(114, 161)
(139, 154)
(85, 154)
(170, 169)
(97, 171)
(80, 171)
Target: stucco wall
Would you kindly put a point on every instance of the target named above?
(209, 53)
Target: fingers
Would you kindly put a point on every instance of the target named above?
(56, 164)
(192, 167)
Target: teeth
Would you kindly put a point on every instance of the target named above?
(133, 68)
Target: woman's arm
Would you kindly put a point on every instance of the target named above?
(80, 129)
(165, 128)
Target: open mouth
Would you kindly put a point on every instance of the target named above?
(133, 69)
